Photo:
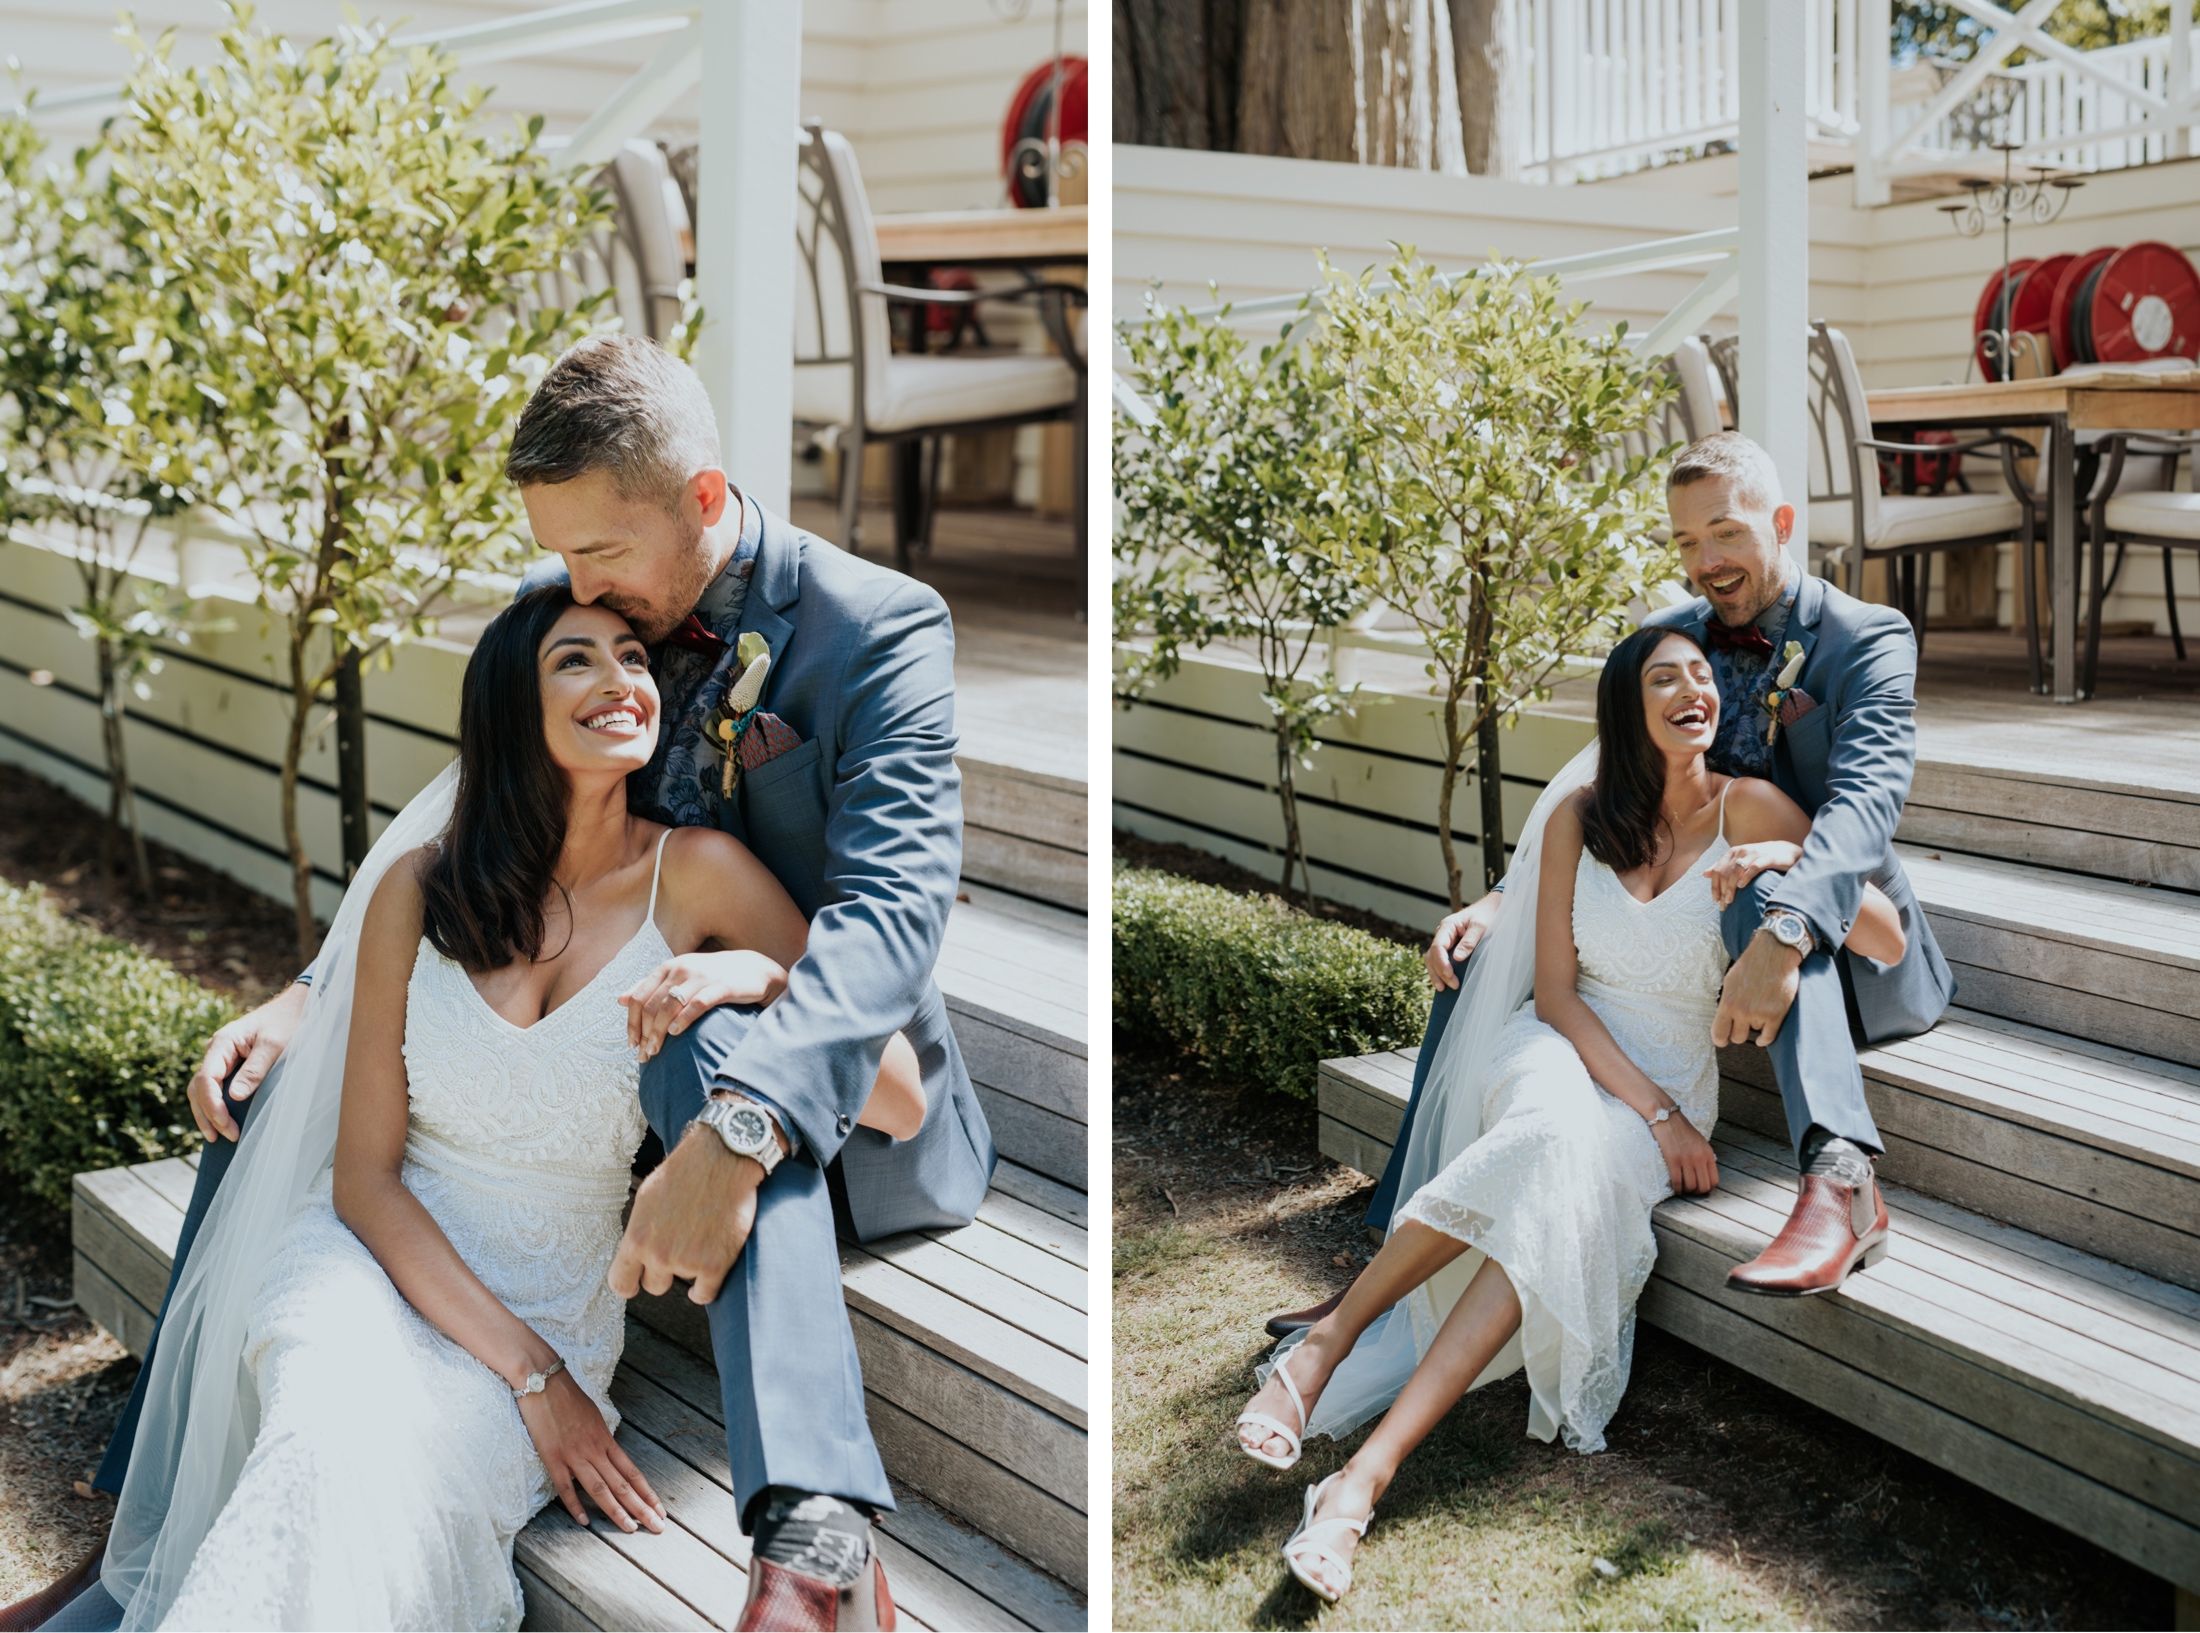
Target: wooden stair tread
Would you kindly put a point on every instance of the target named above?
(1018, 963)
(2063, 1381)
(2161, 927)
(996, 1308)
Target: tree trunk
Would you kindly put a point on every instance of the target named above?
(1486, 61)
(1490, 777)
(1176, 72)
(294, 749)
(1296, 88)
(351, 760)
(1400, 79)
(1287, 790)
(1454, 751)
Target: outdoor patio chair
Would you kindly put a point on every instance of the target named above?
(850, 385)
(1698, 401)
(2168, 515)
(637, 253)
(1726, 363)
(1849, 514)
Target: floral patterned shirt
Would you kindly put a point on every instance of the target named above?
(1743, 678)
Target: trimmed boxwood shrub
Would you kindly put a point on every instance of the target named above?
(97, 1043)
(1253, 988)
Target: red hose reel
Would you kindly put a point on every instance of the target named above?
(2108, 305)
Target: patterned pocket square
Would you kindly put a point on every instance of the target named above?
(1795, 704)
(766, 739)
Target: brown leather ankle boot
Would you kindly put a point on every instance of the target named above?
(1834, 1229)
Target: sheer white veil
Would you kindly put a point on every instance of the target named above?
(201, 1410)
(1498, 979)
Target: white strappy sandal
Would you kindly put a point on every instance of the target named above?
(1270, 1426)
(1305, 1546)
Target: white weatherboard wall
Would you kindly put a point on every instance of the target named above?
(1898, 280)
(919, 86)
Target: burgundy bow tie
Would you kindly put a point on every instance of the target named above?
(696, 636)
(1737, 638)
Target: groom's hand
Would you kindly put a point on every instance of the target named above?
(238, 1057)
(691, 1219)
(1759, 991)
(1458, 936)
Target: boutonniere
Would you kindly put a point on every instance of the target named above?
(1791, 666)
(730, 720)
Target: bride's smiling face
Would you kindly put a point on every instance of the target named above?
(1680, 699)
(599, 701)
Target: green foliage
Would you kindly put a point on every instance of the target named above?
(1224, 531)
(97, 1042)
(1484, 482)
(1254, 989)
(79, 317)
(358, 262)
(1938, 29)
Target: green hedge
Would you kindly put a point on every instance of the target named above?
(97, 1042)
(1253, 988)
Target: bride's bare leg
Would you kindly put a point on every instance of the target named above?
(1413, 1253)
(1487, 1314)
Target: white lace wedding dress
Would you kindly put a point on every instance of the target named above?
(1559, 1187)
(391, 1470)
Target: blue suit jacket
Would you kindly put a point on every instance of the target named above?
(1849, 763)
(863, 825)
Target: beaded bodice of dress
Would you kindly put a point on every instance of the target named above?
(521, 1139)
(1653, 970)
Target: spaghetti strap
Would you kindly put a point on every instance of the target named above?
(659, 872)
(1720, 839)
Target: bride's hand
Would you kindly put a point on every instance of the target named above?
(1690, 1163)
(668, 1001)
(575, 1443)
(1731, 874)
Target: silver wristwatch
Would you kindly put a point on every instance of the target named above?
(1663, 1112)
(1789, 929)
(746, 1128)
(537, 1382)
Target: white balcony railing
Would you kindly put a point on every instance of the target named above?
(1611, 86)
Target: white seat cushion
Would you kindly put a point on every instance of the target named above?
(2158, 515)
(1910, 519)
(921, 391)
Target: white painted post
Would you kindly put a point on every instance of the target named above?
(2181, 108)
(1873, 47)
(1775, 223)
(744, 249)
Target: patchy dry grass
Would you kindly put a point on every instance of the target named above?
(1720, 1503)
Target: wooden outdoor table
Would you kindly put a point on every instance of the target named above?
(2061, 408)
(983, 237)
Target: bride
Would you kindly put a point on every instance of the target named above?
(1566, 1118)
(349, 1430)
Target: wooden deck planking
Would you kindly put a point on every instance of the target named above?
(609, 1579)
(2059, 1380)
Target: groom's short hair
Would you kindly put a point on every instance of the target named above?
(622, 404)
(1733, 456)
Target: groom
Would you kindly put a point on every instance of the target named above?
(854, 804)
(1844, 751)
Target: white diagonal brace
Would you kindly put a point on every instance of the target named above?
(2048, 46)
(663, 80)
(2009, 33)
(1698, 307)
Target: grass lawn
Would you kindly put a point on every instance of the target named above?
(1721, 1502)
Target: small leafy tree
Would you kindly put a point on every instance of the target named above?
(71, 371)
(1488, 489)
(359, 260)
(1225, 531)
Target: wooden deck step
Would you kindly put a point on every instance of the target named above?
(2112, 789)
(1013, 972)
(2062, 1382)
(2091, 958)
(972, 1346)
(2092, 1146)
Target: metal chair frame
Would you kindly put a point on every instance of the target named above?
(824, 214)
(1834, 421)
(2117, 447)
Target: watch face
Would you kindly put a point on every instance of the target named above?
(748, 1126)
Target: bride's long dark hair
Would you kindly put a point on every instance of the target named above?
(485, 887)
(1624, 816)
